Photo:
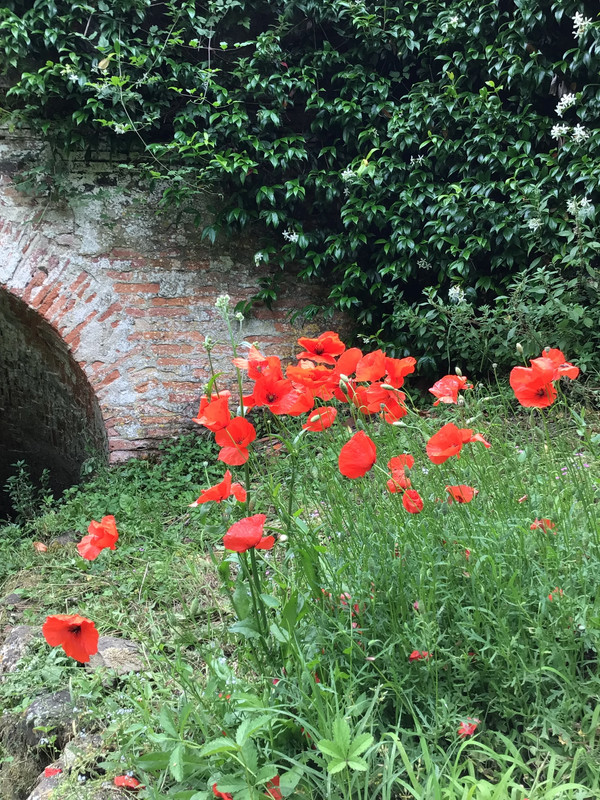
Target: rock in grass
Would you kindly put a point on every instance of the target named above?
(120, 655)
(15, 646)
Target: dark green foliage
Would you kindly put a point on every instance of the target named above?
(405, 146)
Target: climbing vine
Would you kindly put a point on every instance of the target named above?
(436, 163)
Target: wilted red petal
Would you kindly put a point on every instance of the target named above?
(127, 782)
(357, 456)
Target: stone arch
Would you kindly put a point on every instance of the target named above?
(50, 415)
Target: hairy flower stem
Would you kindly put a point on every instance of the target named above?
(251, 575)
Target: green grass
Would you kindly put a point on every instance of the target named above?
(349, 715)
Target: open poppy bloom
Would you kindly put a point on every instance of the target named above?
(221, 492)
(533, 385)
(248, 533)
(399, 463)
(412, 501)
(397, 369)
(323, 349)
(468, 728)
(320, 419)
(371, 367)
(398, 482)
(447, 388)
(76, 635)
(461, 493)
(544, 524)
(449, 441)
(100, 535)
(222, 795)
(357, 456)
(214, 414)
(127, 782)
(234, 440)
(561, 365)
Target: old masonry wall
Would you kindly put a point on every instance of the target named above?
(115, 300)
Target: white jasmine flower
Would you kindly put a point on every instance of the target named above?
(580, 24)
(534, 224)
(290, 236)
(566, 101)
(348, 175)
(573, 206)
(456, 294)
(454, 21)
(559, 130)
(585, 207)
(416, 160)
(258, 257)
(580, 134)
(422, 263)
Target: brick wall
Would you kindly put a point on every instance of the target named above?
(130, 292)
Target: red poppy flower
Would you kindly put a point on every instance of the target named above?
(214, 415)
(468, 728)
(272, 788)
(533, 386)
(394, 409)
(308, 375)
(305, 401)
(448, 442)
(127, 782)
(76, 635)
(278, 394)
(398, 483)
(221, 492)
(545, 524)
(447, 388)
(51, 772)
(100, 535)
(234, 441)
(412, 502)
(561, 365)
(555, 593)
(357, 456)
(346, 364)
(461, 493)
(222, 795)
(320, 419)
(371, 367)
(421, 655)
(397, 369)
(398, 463)
(248, 533)
(255, 363)
(323, 349)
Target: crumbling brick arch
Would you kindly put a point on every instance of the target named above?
(50, 415)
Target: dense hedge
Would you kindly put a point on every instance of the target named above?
(404, 152)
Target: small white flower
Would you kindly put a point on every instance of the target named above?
(454, 21)
(415, 161)
(580, 134)
(566, 101)
(239, 316)
(258, 257)
(290, 236)
(222, 302)
(348, 175)
(456, 294)
(572, 206)
(580, 208)
(534, 224)
(422, 263)
(559, 130)
(580, 24)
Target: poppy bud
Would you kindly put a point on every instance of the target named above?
(458, 371)
(283, 538)
(399, 424)
(519, 348)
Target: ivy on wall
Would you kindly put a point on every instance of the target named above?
(435, 162)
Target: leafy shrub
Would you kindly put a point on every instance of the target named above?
(387, 148)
